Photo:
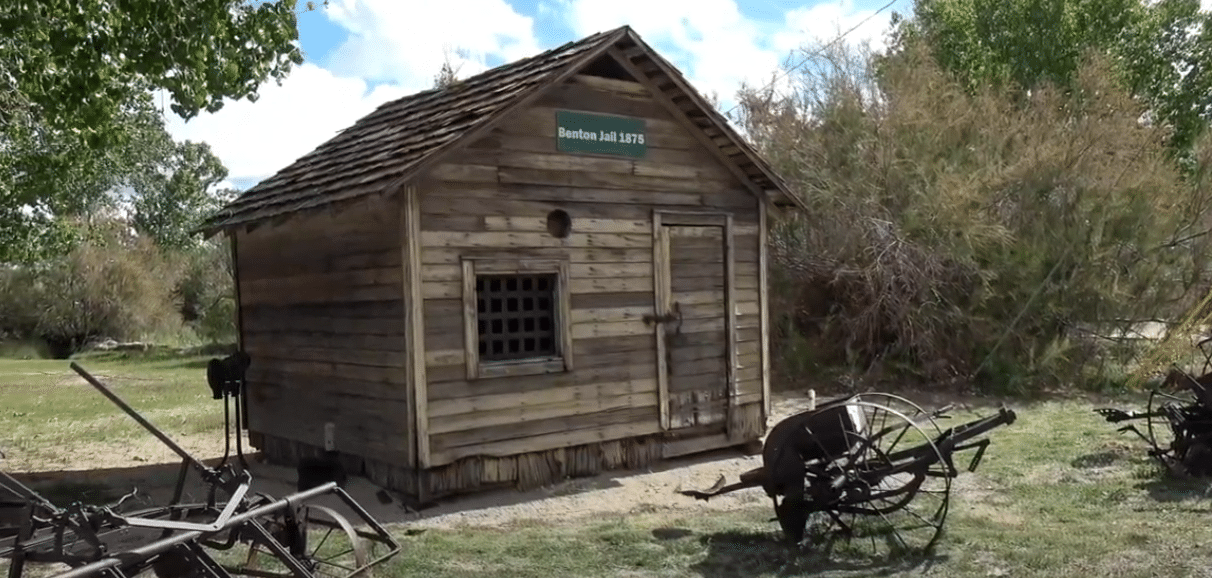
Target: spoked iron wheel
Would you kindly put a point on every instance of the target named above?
(1159, 432)
(896, 489)
(916, 413)
(333, 548)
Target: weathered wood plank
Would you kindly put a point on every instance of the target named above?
(355, 278)
(454, 289)
(394, 375)
(528, 200)
(504, 200)
(269, 349)
(518, 176)
(580, 225)
(503, 239)
(485, 435)
(610, 314)
(332, 325)
(264, 378)
(566, 438)
(448, 256)
(513, 415)
(610, 300)
(316, 253)
(536, 383)
(611, 329)
(338, 343)
(449, 364)
(454, 272)
(353, 310)
(521, 401)
(312, 263)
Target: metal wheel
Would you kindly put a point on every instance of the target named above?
(893, 493)
(332, 548)
(916, 413)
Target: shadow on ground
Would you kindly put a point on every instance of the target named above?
(155, 484)
(758, 553)
(1170, 489)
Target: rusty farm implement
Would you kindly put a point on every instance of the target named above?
(1177, 420)
(874, 469)
(303, 535)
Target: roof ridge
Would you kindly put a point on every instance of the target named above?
(406, 134)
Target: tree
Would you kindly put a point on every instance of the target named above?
(173, 196)
(1162, 49)
(77, 119)
(76, 64)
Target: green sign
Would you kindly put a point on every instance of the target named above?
(582, 132)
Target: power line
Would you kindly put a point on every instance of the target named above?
(820, 51)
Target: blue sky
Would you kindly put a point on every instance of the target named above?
(362, 53)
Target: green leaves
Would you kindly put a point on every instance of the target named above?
(1162, 49)
(175, 196)
(76, 118)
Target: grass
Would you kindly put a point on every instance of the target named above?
(1059, 493)
(49, 415)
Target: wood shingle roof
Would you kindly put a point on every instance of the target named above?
(402, 137)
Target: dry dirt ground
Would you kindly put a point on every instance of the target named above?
(652, 491)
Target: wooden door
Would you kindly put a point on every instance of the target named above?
(695, 339)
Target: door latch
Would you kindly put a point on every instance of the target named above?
(675, 314)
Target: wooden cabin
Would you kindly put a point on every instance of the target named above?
(551, 269)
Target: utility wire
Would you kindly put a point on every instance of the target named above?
(819, 52)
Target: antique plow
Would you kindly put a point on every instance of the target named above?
(1178, 426)
(873, 468)
(248, 534)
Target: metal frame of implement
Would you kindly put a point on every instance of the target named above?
(843, 463)
(173, 540)
(1188, 420)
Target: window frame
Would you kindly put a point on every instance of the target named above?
(558, 363)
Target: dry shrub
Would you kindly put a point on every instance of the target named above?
(205, 294)
(110, 285)
(961, 236)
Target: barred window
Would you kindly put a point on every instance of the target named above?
(516, 312)
(516, 316)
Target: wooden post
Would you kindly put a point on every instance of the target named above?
(730, 324)
(414, 322)
(661, 285)
(764, 307)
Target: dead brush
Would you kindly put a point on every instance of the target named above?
(955, 232)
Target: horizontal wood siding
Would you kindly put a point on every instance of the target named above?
(493, 199)
(323, 322)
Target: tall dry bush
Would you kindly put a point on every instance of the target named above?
(110, 285)
(961, 236)
(204, 293)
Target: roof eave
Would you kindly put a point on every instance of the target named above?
(751, 155)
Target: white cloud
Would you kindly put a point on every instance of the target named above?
(255, 140)
(717, 47)
(396, 46)
(710, 41)
(406, 41)
(826, 21)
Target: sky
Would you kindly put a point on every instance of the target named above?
(360, 54)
